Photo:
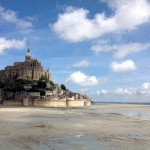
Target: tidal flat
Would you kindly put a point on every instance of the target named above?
(98, 127)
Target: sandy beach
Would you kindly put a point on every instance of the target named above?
(98, 127)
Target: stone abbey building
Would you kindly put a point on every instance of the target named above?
(30, 69)
(14, 92)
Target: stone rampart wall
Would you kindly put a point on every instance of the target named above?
(50, 103)
(75, 103)
(87, 103)
(12, 103)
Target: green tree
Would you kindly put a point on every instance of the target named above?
(51, 82)
(18, 89)
(42, 92)
(33, 89)
(44, 78)
(63, 87)
(49, 89)
(23, 81)
(42, 84)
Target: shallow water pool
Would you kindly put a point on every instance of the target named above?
(76, 142)
(138, 114)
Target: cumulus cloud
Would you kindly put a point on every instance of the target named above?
(74, 25)
(127, 65)
(122, 91)
(143, 90)
(145, 86)
(9, 16)
(103, 92)
(82, 63)
(82, 79)
(120, 50)
(11, 44)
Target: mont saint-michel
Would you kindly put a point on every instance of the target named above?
(27, 83)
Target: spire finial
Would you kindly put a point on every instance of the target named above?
(28, 51)
(28, 44)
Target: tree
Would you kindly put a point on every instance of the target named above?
(33, 89)
(23, 81)
(49, 89)
(18, 89)
(42, 84)
(42, 92)
(63, 87)
(51, 82)
(44, 78)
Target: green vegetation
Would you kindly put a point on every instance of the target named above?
(42, 84)
(43, 81)
(33, 89)
(18, 89)
(49, 89)
(25, 81)
(51, 82)
(63, 87)
(44, 78)
(42, 92)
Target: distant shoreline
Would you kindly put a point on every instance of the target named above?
(137, 103)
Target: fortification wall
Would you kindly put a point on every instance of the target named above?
(50, 103)
(87, 103)
(12, 103)
(75, 103)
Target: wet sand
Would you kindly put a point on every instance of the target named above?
(98, 127)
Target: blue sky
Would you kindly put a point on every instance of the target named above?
(99, 48)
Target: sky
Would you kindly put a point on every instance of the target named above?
(100, 48)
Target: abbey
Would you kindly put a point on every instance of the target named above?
(28, 84)
(30, 69)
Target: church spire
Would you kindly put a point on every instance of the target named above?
(28, 57)
(28, 52)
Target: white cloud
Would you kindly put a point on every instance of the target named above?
(130, 14)
(121, 91)
(121, 50)
(103, 92)
(126, 49)
(82, 79)
(145, 86)
(82, 63)
(9, 16)
(11, 44)
(143, 90)
(127, 65)
(137, 94)
(74, 25)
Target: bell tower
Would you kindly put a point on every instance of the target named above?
(28, 57)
